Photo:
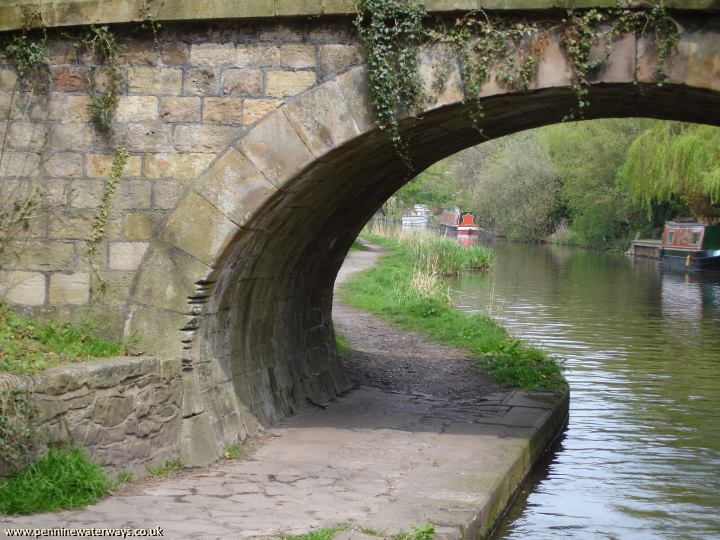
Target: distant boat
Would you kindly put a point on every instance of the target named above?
(418, 217)
(455, 221)
(691, 245)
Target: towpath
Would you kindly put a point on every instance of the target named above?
(422, 439)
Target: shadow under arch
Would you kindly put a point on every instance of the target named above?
(250, 254)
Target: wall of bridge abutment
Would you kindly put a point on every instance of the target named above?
(253, 163)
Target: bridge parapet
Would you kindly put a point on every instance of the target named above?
(58, 13)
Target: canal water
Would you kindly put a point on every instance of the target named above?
(641, 454)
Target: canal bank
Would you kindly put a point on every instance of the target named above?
(382, 457)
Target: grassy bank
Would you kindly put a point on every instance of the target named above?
(27, 346)
(408, 287)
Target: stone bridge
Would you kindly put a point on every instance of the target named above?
(254, 163)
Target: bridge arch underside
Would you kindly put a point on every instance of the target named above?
(255, 268)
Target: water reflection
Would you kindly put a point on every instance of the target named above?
(641, 455)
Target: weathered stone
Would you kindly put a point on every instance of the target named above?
(336, 57)
(126, 255)
(180, 109)
(199, 229)
(69, 79)
(167, 278)
(235, 187)
(167, 194)
(69, 288)
(36, 255)
(77, 109)
(200, 138)
(112, 410)
(180, 167)
(254, 109)
(63, 165)
(176, 53)
(429, 58)
(212, 54)
(156, 137)
(150, 80)
(98, 165)
(204, 82)
(322, 118)
(138, 53)
(198, 441)
(21, 164)
(222, 110)
(281, 84)
(354, 86)
(113, 289)
(703, 62)
(24, 288)
(27, 135)
(86, 193)
(242, 82)
(132, 194)
(276, 149)
(73, 224)
(137, 109)
(140, 226)
(71, 136)
(8, 79)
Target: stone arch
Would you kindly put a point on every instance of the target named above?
(239, 282)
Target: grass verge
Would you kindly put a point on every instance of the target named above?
(27, 347)
(320, 534)
(60, 479)
(408, 289)
(166, 469)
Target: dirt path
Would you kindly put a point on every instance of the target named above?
(388, 358)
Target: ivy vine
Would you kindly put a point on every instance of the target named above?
(25, 52)
(99, 222)
(508, 48)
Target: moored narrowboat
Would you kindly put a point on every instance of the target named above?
(455, 221)
(691, 245)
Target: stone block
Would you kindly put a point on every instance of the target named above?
(176, 53)
(86, 193)
(42, 256)
(50, 108)
(24, 288)
(322, 118)
(69, 288)
(354, 86)
(222, 110)
(180, 109)
(276, 149)
(199, 229)
(8, 79)
(137, 109)
(74, 136)
(298, 7)
(98, 165)
(257, 55)
(73, 224)
(28, 135)
(197, 441)
(77, 109)
(126, 255)
(114, 289)
(180, 167)
(20, 164)
(212, 54)
(55, 195)
(69, 79)
(158, 330)
(254, 109)
(703, 62)
(234, 186)
(553, 68)
(150, 80)
(202, 81)
(242, 82)
(140, 226)
(146, 137)
(282, 84)
(167, 278)
(138, 52)
(110, 411)
(334, 57)
(203, 139)
(132, 194)
(167, 194)
(63, 165)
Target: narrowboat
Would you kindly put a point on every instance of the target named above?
(418, 217)
(455, 221)
(691, 245)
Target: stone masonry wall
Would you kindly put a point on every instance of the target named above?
(183, 100)
(125, 411)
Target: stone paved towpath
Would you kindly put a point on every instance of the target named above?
(422, 439)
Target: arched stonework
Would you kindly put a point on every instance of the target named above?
(239, 282)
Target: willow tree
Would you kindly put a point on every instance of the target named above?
(674, 161)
